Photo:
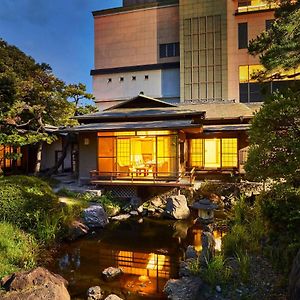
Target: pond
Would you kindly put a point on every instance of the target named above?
(147, 250)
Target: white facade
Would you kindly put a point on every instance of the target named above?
(109, 89)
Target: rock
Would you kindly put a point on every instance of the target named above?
(36, 284)
(94, 193)
(95, 216)
(76, 230)
(140, 209)
(121, 217)
(177, 207)
(191, 252)
(134, 213)
(185, 288)
(151, 209)
(208, 247)
(180, 229)
(184, 268)
(294, 279)
(157, 202)
(218, 289)
(112, 273)
(95, 293)
(113, 297)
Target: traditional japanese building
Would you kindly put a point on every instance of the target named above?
(173, 84)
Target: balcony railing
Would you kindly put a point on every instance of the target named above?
(134, 176)
(252, 6)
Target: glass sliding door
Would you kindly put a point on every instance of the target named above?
(143, 155)
(106, 155)
(167, 156)
(212, 153)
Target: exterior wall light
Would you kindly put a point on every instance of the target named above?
(86, 141)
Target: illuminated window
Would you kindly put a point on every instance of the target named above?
(252, 91)
(214, 153)
(229, 153)
(6, 160)
(138, 154)
(196, 150)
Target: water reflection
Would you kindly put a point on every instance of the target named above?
(148, 253)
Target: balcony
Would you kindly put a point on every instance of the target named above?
(254, 6)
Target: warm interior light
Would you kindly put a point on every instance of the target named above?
(212, 153)
(155, 262)
(138, 156)
(197, 239)
(143, 278)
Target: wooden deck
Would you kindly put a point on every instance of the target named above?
(179, 183)
(174, 180)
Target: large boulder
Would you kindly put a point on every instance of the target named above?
(95, 293)
(186, 288)
(294, 280)
(36, 284)
(95, 216)
(177, 207)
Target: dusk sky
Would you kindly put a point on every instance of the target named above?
(57, 32)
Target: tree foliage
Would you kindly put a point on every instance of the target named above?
(279, 47)
(275, 139)
(275, 132)
(32, 97)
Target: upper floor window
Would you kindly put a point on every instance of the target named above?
(269, 24)
(168, 50)
(243, 35)
(254, 5)
(253, 91)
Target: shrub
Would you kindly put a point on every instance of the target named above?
(280, 210)
(236, 241)
(18, 250)
(21, 197)
(216, 271)
(244, 266)
(242, 212)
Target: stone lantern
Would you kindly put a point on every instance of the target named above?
(205, 210)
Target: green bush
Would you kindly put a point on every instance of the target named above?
(237, 240)
(216, 271)
(21, 197)
(18, 250)
(280, 210)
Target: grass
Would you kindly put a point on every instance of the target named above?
(216, 271)
(111, 205)
(18, 250)
(243, 260)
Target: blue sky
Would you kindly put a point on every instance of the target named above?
(57, 32)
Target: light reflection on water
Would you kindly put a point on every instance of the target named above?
(148, 253)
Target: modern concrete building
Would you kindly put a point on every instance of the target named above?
(188, 51)
(136, 50)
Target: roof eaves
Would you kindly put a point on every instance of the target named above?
(121, 9)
